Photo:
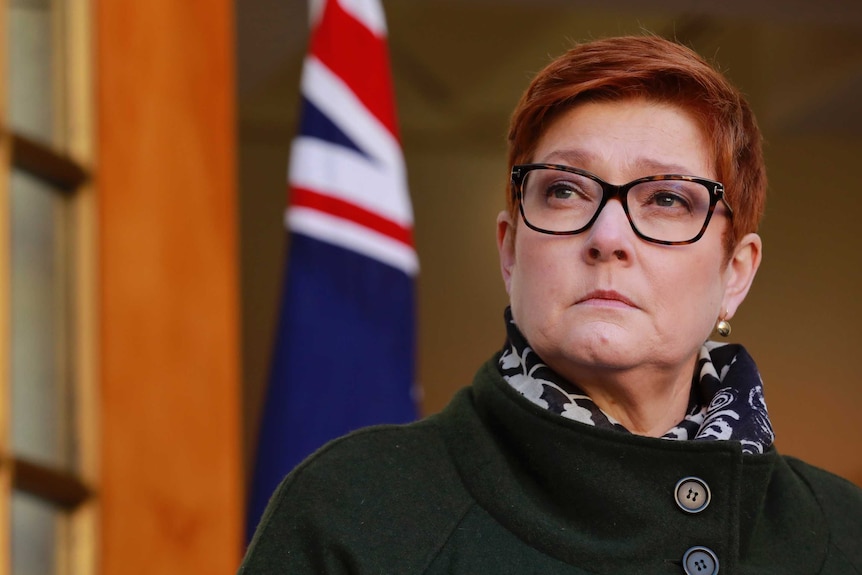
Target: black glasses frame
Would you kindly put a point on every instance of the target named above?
(610, 191)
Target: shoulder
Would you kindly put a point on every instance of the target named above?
(841, 504)
(379, 497)
(831, 490)
(389, 460)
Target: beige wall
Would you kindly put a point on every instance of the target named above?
(459, 69)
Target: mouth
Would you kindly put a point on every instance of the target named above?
(606, 298)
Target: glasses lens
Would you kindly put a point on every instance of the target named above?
(666, 210)
(558, 201)
(669, 210)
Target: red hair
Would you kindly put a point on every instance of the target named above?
(658, 70)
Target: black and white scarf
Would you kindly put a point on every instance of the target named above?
(726, 402)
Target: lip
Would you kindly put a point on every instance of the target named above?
(606, 298)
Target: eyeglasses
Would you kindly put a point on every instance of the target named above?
(667, 209)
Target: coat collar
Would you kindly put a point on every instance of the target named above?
(604, 500)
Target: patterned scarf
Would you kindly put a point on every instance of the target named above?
(726, 401)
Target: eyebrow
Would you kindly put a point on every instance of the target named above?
(581, 158)
(570, 157)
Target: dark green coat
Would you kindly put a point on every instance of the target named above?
(495, 485)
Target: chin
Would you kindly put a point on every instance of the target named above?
(608, 348)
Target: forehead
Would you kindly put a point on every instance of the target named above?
(631, 138)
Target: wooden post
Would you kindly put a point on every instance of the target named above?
(168, 291)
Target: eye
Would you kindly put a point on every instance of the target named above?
(667, 199)
(555, 189)
(675, 198)
(567, 190)
(561, 191)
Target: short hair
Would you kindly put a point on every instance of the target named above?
(663, 71)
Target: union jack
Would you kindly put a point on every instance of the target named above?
(344, 353)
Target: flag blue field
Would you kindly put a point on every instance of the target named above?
(344, 353)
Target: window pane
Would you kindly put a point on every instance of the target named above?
(41, 406)
(31, 68)
(35, 526)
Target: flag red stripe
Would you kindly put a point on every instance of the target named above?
(361, 59)
(300, 197)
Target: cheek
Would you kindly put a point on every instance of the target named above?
(697, 294)
(681, 284)
(535, 277)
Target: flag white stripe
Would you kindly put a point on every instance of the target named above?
(369, 13)
(315, 12)
(353, 237)
(339, 172)
(338, 103)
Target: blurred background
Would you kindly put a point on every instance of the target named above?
(144, 149)
(459, 69)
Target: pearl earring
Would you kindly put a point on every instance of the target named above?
(723, 326)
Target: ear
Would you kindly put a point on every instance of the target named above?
(506, 246)
(740, 272)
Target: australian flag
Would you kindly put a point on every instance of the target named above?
(344, 354)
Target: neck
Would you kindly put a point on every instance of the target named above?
(644, 402)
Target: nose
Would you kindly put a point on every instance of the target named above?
(611, 235)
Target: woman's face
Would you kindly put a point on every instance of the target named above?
(604, 300)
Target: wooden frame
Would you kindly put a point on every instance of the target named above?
(5, 342)
(45, 162)
(80, 139)
(64, 164)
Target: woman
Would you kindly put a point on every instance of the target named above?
(607, 436)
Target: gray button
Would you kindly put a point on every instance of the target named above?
(700, 561)
(692, 494)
